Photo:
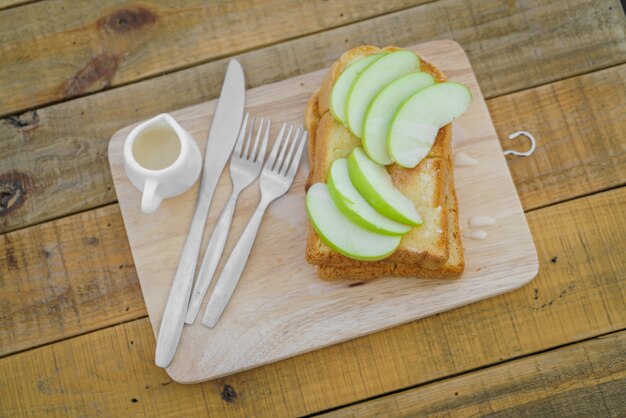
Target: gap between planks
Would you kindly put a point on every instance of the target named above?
(147, 24)
(581, 196)
(557, 80)
(594, 82)
(495, 66)
(314, 367)
(138, 318)
(245, 50)
(488, 101)
(12, 4)
(474, 370)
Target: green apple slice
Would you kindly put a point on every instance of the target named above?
(375, 184)
(341, 234)
(376, 76)
(340, 90)
(354, 206)
(380, 113)
(414, 127)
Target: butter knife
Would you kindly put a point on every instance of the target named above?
(222, 136)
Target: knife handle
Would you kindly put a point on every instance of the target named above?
(173, 318)
(212, 256)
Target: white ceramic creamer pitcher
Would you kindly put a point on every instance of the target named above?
(161, 160)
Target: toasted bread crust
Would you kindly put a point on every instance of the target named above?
(311, 120)
(421, 249)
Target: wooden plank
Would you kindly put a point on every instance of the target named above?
(88, 47)
(57, 155)
(55, 167)
(609, 82)
(578, 295)
(56, 50)
(64, 278)
(585, 379)
(274, 299)
(580, 125)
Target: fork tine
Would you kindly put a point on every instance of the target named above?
(242, 134)
(292, 146)
(256, 140)
(261, 156)
(285, 144)
(270, 161)
(295, 163)
(249, 139)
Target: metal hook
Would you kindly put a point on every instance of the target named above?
(533, 144)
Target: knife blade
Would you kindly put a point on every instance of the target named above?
(222, 136)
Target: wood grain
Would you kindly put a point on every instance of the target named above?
(60, 49)
(66, 169)
(579, 295)
(5, 4)
(337, 382)
(580, 125)
(586, 379)
(64, 278)
(606, 81)
(280, 308)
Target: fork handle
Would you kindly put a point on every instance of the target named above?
(234, 268)
(212, 256)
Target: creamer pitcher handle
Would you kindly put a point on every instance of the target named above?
(149, 200)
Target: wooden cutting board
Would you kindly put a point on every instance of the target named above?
(280, 308)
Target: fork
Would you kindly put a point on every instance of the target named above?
(276, 179)
(245, 166)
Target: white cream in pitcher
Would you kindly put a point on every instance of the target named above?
(157, 148)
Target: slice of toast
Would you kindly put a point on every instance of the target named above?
(453, 267)
(426, 245)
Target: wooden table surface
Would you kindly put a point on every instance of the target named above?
(74, 336)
